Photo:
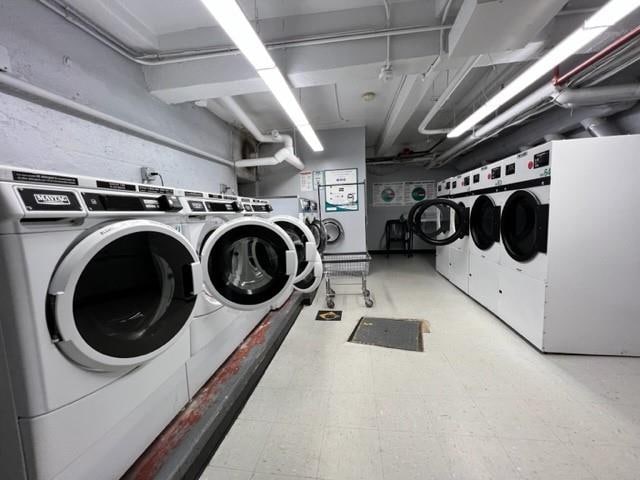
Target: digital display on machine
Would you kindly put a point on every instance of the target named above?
(220, 207)
(510, 169)
(541, 159)
(115, 186)
(196, 206)
(465, 182)
(476, 178)
(454, 184)
(439, 188)
(193, 194)
(496, 173)
(448, 185)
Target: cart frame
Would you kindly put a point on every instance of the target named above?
(351, 265)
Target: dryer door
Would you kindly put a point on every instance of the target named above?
(123, 294)
(249, 263)
(524, 226)
(484, 223)
(440, 221)
(303, 240)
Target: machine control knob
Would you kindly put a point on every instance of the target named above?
(170, 203)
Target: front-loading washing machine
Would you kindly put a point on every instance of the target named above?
(98, 288)
(442, 251)
(459, 249)
(249, 266)
(524, 233)
(441, 222)
(484, 229)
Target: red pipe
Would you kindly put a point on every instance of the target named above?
(623, 40)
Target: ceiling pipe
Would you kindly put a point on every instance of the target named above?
(76, 18)
(461, 74)
(550, 137)
(49, 99)
(567, 98)
(600, 127)
(558, 122)
(572, 98)
(285, 154)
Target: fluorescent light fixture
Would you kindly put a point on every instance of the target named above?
(232, 20)
(280, 89)
(310, 136)
(609, 14)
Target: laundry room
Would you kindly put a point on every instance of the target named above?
(319, 239)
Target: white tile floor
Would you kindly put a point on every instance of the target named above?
(479, 403)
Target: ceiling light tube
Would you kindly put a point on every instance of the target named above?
(233, 21)
(280, 89)
(311, 138)
(608, 15)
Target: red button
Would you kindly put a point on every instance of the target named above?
(489, 176)
(530, 165)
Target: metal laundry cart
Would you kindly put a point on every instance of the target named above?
(346, 265)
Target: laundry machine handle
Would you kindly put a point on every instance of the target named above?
(194, 272)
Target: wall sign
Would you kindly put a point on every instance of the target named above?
(306, 181)
(341, 190)
(396, 194)
(417, 191)
(388, 194)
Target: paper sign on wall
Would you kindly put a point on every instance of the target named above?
(341, 190)
(388, 194)
(306, 181)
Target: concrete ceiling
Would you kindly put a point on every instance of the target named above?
(330, 79)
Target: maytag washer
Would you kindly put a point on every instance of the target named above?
(98, 289)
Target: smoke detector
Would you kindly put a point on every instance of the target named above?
(368, 96)
(386, 73)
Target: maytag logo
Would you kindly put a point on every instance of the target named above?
(50, 199)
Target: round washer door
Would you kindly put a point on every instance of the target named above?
(123, 294)
(302, 239)
(312, 281)
(439, 222)
(248, 263)
(484, 222)
(319, 234)
(334, 229)
(524, 226)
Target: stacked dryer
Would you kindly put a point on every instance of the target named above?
(97, 289)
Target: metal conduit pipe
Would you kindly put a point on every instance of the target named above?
(600, 127)
(89, 27)
(571, 98)
(567, 98)
(286, 154)
(44, 97)
(459, 77)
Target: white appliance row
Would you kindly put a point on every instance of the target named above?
(550, 255)
(119, 301)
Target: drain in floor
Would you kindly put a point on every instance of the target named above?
(403, 334)
(329, 315)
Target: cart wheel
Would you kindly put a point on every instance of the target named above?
(368, 302)
(331, 304)
(331, 292)
(367, 293)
